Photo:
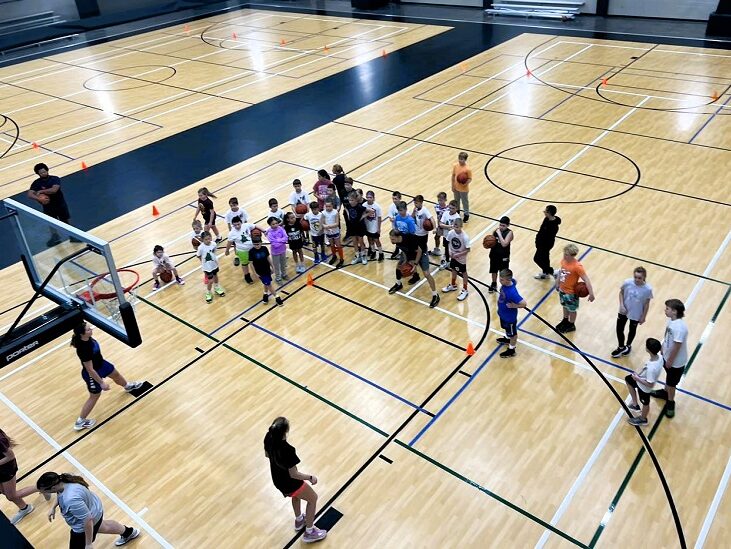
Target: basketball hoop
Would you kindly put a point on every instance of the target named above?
(101, 290)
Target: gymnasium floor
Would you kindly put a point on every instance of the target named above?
(414, 442)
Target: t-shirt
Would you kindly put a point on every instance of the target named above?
(339, 182)
(56, 201)
(77, 504)
(330, 218)
(163, 262)
(676, 331)
(373, 212)
(205, 205)
(419, 217)
(458, 243)
(298, 198)
(315, 223)
(90, 351)
(404, 224)
(241, 214)
(320, 191)
(336, 203)
(449, 218)
(458, 169)
(546, 235)
(258, 257)
(439, 210)
(355, 213)
(651, 371)
(278, 214)
(498, 250)
(280, 467)
(207, 253)
(408, 247)
(634, 298)
(242, 237)
(294, 233)
(392, 212)
(508, 294)
(568, 276)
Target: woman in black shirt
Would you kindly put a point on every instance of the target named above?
(287, 479)
(8, 470)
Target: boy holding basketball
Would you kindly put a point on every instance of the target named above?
(568, 277)
(298, 196)
(461, 179)
(508, 303)
(459, 247)
(641, 384)
(446, 222)
(275, 211)
(163, 268)
(207, 254)
(262, 263)
(411, 256)
(500, 252)
(354, 214)
(239, 237)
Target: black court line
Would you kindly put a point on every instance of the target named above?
(391, 318)
(576, 92)
(384, 458)
(465, 373)
(199, 350)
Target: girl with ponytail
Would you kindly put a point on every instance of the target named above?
(82, 510)
(8, 470)
(287, 479)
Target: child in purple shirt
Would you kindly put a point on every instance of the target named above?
(278, 239)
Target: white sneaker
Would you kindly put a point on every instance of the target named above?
(541, 276)
(449, 288)
(22, 513)
(121, 540)
(356, 260)
(462, 295)
(84, 424)
(443, 264)
(436, 251)
(364, 259)
(133, 386)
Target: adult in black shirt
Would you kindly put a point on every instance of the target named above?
(411, 252)
(545, 239)
(46, 190)
(8, 470)
(287, 479)
(94, 370)
(339, 182)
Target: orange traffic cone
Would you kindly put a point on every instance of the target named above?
(325, 49)
(233, 35)
(604, 81)
(282, 42)
(310, 280)
(715, 96)
(155, 211)
(383, 53)
(528, 73)
(470, 349)
(187, 29)
(35, 145)
(84, 166)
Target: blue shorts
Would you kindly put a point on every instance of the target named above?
(105, 370)
(266, 279)
(511, 328)
(318, 240)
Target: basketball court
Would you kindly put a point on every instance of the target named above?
(416, 442)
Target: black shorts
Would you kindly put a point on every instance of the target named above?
(8, 470)
(210, 274)
(456, 266)
(356, 229)
(374, 236)
(78, 539)
(58, 212)
(105, 370)
(642, 395)
(511, 328)
(498, 263)
(296, 245)
(207, 218)
(318, 240)
(673, 375)
(423, 242)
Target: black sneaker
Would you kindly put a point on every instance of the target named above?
(434, 301)
(340, 264)
(414, 278)
(248, 279)
(638, 421)
(503, 340)
(561, 325)
(395, 288)
(568, 327)
(279, 300)
(372, 254)
(265, 299)
(395, 255)
(634, 407)
(660, 393)
(492, 288)
(333, 260)
(507, 353)
(237, 261)
(380, 256)
(670, 408)
(466, 218)
(618, 352)
(627, 350)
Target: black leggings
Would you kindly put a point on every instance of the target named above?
(621, 323)
(543, 260)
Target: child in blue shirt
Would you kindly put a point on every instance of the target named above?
(403, 222)
(508, 304)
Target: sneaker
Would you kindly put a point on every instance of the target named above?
(17, 517)
(356, 260)
(339, 264)
(638, 421)
(219, 239)
(541, 276)
(436, 252)
(279, 300)
(364, 259)
(395, 255)
(414, 278)
(314, 535)
(248, 279)
(627, 350)
(504, 340)
(299, 523)
(265, 298)
(180, 281)
(209, 297)
(84, 424)
(121, 540)
(634, 407)
(317, 258)
(395, 288)
(462, 295)
(449, 288)
(507, 353)
(156, 286)
(466, 218)
(670, 409)
(285, 276)
(434, 301)
(237, 261)
(492, 288)
(219, 291)
(660, 393)
(443, 264)
(133, 386)
(278, 280)
(568, 327)
(618, 352)
(372, 254)
(380, 257)
(333, 260)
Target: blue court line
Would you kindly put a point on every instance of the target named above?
(624, 368)
(482, 366)
(703, 127)
(341, 368)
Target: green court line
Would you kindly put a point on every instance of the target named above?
(630, 473)
(492, 494)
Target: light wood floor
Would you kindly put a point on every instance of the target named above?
(485, 455)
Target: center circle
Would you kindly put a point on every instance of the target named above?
(130, 78)
(533, 150)
(11, 129)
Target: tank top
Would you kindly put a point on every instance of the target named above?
(498, 250)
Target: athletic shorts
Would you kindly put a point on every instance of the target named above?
(497, 264)
(58, 212)
(104, 371)
(265, 279)
(297, 492)
(78, 539)
(207, 218)
(210, 274)
(296, 245)
(423, 242)
(8, 470)
(333, 236)
(374, 236)
(511, 328)
(456, 266)
(243, 256)
(570, 302)
(356, 229)
(673, 375)
(318, 240)
(642, 395)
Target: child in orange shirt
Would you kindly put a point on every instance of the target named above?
(461, 178)
(568, 275)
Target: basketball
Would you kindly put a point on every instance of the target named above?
(305, 225)
(407, 269)
(300, 209)
(255, 233)
(581, 289)
(166, 276)
(462, 177)
(489, 241)
(44, 198)
(428, 225)
(195, 242)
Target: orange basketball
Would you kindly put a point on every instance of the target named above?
(428, 225)
(44, 198)
(305, 225)
(489, 241)
(300, 209)
(407, 269)
(195, 243)
(166, 276)
(462, 177)
(581, 289)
